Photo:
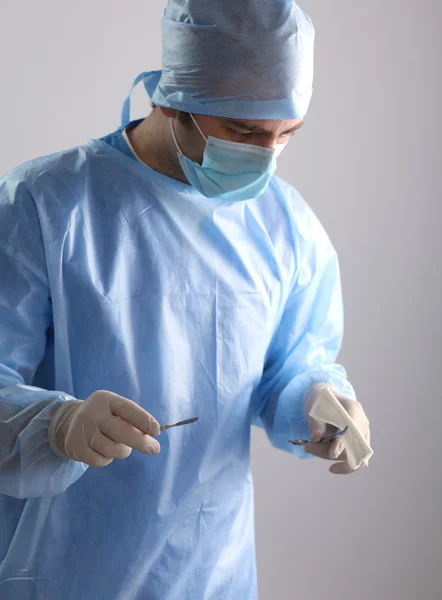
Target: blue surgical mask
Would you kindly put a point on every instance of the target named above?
(230, 171)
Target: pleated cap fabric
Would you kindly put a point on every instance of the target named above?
(235, 58)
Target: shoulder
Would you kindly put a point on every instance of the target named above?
(32, 192)
(304, 224)
(28, 178)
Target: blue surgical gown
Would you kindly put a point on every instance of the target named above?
(116, 277)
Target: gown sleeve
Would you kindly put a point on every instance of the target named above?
(305, 345)
(28, 467)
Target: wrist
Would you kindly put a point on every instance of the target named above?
(55, 430)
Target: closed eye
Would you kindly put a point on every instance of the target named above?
(244, 135)
(240, 134)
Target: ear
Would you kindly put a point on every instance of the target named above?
(170, 113)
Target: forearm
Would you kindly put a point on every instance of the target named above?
(28, 466)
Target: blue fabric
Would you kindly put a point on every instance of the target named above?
(230, 170)
(117, 277)
(247, 60)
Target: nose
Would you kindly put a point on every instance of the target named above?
(270, 143)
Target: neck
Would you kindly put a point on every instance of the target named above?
(154, 146)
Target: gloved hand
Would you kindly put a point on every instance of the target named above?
(334, 450)
(103, 427)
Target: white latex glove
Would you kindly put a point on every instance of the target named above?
(334, 450)
(103, 427)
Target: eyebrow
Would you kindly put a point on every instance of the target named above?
(258, 130)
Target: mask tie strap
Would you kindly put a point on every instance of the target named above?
(172, 129)
(198, 127)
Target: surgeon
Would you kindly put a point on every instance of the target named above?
(159, 274)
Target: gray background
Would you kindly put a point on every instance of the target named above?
(369, 163)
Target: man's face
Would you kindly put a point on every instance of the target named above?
(267, 133)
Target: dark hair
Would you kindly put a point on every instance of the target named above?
(183, 117)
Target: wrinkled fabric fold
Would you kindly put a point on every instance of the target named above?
(117, 277)
(250, 60)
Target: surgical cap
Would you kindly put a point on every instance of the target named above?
(235, 58)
